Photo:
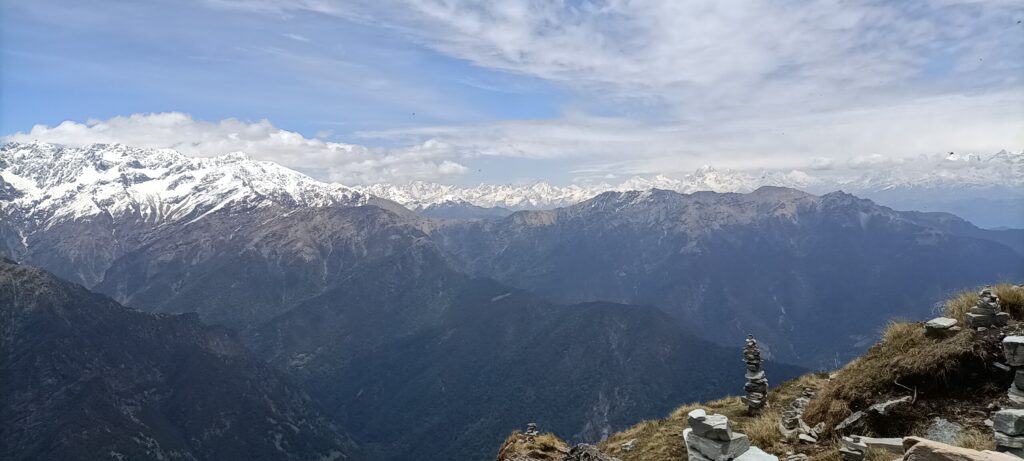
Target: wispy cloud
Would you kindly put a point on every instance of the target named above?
(296, 37)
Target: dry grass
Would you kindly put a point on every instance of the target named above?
(543, 447)
(661, 440)
(957, 306)
(904, 355)
(1012, 299)
(976, 439)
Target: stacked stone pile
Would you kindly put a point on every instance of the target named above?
(1013, 351)
(792, 423)
(710, 438)
(1009, 428)
(757, 385)
(986, 312)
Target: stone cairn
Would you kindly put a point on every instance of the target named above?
(757, 385)
(710, 438)
(531, 431)
(986, 312)
(1008, 423)
(792, 423)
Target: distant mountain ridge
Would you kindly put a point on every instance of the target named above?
(86, 378)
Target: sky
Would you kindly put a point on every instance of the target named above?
(469, 92)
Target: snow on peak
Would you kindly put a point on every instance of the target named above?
(56, 183)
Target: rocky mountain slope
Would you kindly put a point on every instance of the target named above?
(84, 378)
(811, 275)
(909, 386)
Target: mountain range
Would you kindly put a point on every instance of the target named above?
(986, 190)
(429, 338)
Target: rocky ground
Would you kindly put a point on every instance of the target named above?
(936, 394)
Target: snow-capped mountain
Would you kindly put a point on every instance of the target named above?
(49, 183)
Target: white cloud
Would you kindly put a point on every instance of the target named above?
(345, 163)
(983, 123)
(296, 37)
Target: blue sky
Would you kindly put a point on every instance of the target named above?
(467, 92)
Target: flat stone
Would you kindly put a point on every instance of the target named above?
(1013, 350)
(1002, 318)
(854, 443)
(940, 323)
(1009, 422)
(894, 444)
(1010, 441)
(1018, 379)
(918, 449)
(714, 426)
(980, 320)
(756, 454)
(982, 310)
(850, 422)
(754, 375)
(807, 438)
(716, 450)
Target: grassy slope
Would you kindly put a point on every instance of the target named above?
(953, 378)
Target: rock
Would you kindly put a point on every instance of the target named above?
(980, 320)
(939, 326)
(716, 450)
(894, 445)
(1009, 422)
(797, 457)
(884, 407)
(585, 452)
(756, 454)
(806, 438)
(943, 430)
(1016, 397)
(1013, 350)
(918, 449)
(714, 426)
(1009, 441)
(1018, 379)
(1001, 366)
(851, 422)
(628, 445)
(850, 455)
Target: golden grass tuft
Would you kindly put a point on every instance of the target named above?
(904, 355)
(976, 439)
(661, 440)
(957, 306)
(1012, 299)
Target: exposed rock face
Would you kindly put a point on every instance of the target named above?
(757, 385)
(918, 449)
(84, 378)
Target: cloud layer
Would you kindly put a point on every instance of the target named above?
(346, 163)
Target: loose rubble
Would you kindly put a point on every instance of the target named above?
(710, 438)
(986, 312)
(918, 449)
(757, 385)
(586, 452)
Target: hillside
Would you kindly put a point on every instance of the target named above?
(84, 378)
(940, 388)
(731, 264)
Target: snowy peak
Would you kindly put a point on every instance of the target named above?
(50, 183)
